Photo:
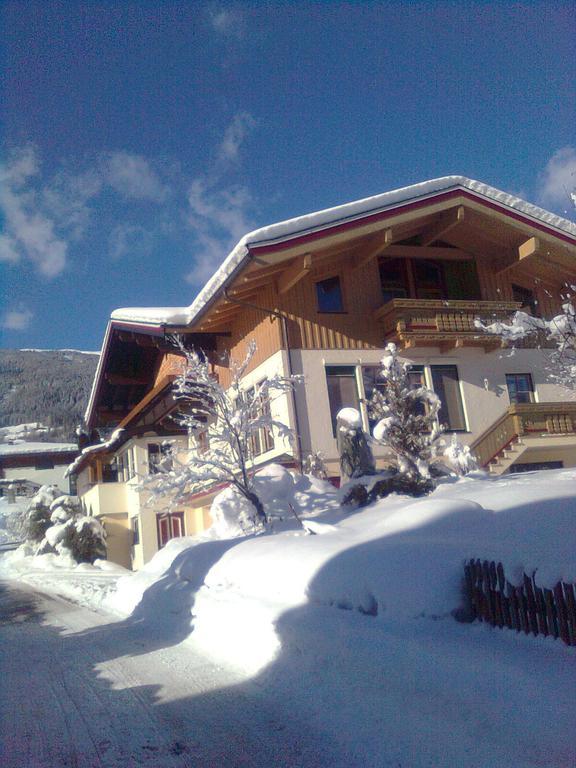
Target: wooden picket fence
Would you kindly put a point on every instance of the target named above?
(526, 608)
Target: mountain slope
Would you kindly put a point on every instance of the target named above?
(46, 386)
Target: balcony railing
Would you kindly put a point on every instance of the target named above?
(524, 420)
(425, 322)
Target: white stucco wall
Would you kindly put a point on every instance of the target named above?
(482, 385)
(281, 406)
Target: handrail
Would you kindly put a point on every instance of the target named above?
(524, 418)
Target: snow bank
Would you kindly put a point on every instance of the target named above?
(398, 560)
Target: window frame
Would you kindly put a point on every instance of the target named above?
(430, 383)
(359, 391)
(163, 449)
(334, 276)
(531, 391)
(423, 369)
(262, 441)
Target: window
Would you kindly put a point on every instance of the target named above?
(135, 532)
(425, 279)
(526, 297)
(170, 526)
(534, 466)
(393, 279)
(44, 462)
(520, 388)
(110, 472)
(262, 440)
(329, 295)
(429, 279)
(202, 442)
(159, 457)
(125, 466)
(446, 385)
(73, 485)
(342, 389)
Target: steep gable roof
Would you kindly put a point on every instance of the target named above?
(316, 223)
(321, 224)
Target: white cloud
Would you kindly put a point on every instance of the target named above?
(219, 210)
(218, 218)
(17, 319)
(129, 239)
(67, 200)
(9, 249)
(29, 231)
(228, 22)
(558, 179)
(133, 177)
(234, 135)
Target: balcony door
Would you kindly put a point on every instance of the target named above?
(421, 278)
(170, 526)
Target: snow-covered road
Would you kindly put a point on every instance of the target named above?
(84, 689)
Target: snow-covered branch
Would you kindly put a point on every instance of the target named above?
(559, 333)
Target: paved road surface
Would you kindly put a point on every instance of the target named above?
(80, 689)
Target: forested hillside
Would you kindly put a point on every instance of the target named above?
(50, 387)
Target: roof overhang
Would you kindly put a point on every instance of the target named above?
(281, 241)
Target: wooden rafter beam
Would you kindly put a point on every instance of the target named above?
(299, 269)
(118, 379)
(375, 248)
(452, 218)
(258, 274)
(527, 252)
(429, 252)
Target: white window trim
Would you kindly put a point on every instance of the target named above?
(427, 369)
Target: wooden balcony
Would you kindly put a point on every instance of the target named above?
(523, 420)
(443, 323)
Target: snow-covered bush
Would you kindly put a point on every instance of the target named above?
(85, 539)
(55, 523)
(233, 421)
(459, 457)
(407, 420)
(233, 515)
(356, 459)
(37, 519)
(314, 465)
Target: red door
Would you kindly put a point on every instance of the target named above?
(170, 526)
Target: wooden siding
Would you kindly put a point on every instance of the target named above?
(171, 364)
(352, 329)
(356, 327)
(250, 324)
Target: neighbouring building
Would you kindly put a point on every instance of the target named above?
(38, 463)
(322, 295)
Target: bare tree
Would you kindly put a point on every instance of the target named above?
(229, 424)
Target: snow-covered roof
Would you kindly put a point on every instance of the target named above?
(314, 222)
(90, 450)
(21, 449)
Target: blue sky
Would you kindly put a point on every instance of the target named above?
(141, 140)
